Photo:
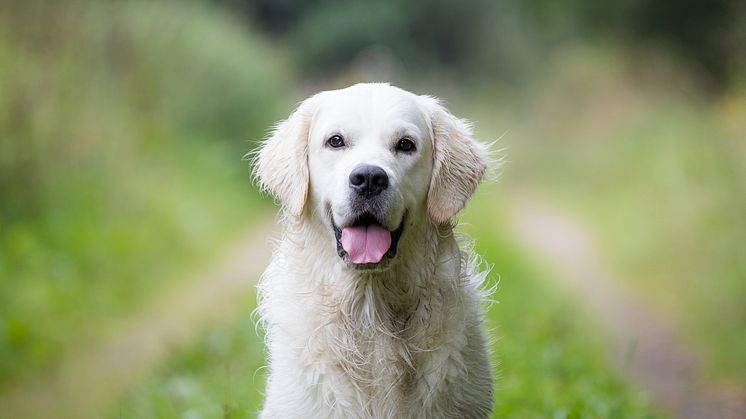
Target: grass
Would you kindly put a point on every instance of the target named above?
(548, 355)
(120, 168)
(657, 170)
(220, 376)
(549, 352)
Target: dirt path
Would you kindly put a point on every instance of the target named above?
(88, 383)
(647, 349)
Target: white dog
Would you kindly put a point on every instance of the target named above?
(370, 307)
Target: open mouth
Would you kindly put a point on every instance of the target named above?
(365, 242)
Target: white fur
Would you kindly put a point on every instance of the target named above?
(402, 341)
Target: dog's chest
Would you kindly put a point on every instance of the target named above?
(381, 369)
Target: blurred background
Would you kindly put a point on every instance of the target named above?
(131, 234)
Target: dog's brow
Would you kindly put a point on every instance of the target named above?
(334, 130)
(405, 132)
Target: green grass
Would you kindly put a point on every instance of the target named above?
(658, 175)
(220, 376)
(122, 130)
(548, 356)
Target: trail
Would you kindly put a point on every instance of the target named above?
(89, 381)
(646, 346)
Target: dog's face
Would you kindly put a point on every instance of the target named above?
(369, 161)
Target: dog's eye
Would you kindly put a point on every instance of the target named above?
(405, 144)
(336, 141)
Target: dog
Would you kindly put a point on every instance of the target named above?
(370, 307)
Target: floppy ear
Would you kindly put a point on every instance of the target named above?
(281, 162)
(459, 162)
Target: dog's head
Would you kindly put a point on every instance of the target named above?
(368, 161)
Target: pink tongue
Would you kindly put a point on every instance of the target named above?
(366, 244)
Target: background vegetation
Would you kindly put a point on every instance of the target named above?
(123, 125)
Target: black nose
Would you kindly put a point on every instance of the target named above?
(368, 180)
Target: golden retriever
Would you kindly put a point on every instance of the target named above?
(371, 308)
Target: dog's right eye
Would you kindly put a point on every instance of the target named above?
(336, 141)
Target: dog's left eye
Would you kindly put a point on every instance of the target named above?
(336, 141)
(405, 144)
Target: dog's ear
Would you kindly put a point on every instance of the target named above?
(459, 162)
(281, 161)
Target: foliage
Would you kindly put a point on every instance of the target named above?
(122, 127)
(507, 39)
